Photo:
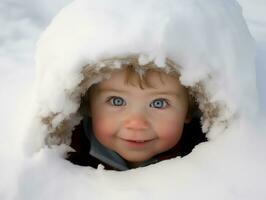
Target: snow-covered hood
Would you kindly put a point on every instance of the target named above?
(208, 43)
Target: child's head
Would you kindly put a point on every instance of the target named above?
(138, 114)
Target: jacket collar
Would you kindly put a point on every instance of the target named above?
(104, 154)
(98, 151)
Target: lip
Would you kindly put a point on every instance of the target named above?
(136, 143)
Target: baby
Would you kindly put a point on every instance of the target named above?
(132, 118)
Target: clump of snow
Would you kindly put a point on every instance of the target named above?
(208, 39)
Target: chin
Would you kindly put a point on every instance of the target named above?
(137, 158)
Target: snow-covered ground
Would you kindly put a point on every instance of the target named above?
(22, 23)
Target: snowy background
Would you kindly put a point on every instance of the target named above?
(22, 24)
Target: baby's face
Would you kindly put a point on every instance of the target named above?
(138, 123)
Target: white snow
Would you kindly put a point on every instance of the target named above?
(230, 166)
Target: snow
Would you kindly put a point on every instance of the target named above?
(254, 13)
(230, 166)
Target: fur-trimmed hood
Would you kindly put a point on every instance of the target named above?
(212, 50)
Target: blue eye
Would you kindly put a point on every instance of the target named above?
(159, 103)
(117, 101)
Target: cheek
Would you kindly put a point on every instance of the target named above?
(170, 132)
(103, 127)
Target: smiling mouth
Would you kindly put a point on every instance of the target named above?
(137, 144)
(138, 141)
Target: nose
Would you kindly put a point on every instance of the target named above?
(136, 121)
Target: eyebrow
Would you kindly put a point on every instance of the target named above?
(167, 92)
(112, 90)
